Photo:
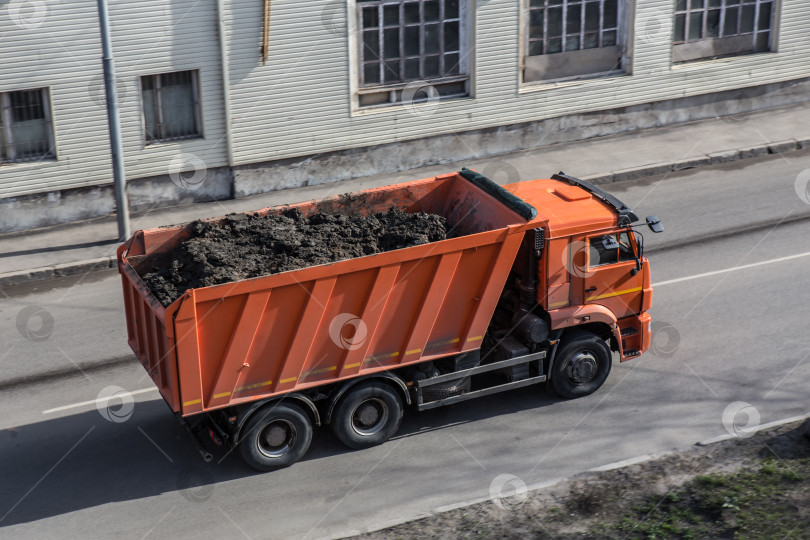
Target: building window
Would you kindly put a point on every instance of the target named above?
(401, 42)
(171, 106)
(26, 133)
(715, 28)
(573, 38)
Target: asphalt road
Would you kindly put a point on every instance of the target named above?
(130, 471)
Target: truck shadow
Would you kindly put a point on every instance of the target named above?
(85, 460)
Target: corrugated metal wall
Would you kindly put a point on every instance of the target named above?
(299, 102)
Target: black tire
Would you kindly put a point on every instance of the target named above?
(581, 366)
(276, 436)
(367, 415)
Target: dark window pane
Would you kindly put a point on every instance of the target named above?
(747, 23)
(572, 43)
(391, 42)
(431, 66)
(555, 22)
(431, 11)
(391, 15)
(411, 13)
(680, 28)
(695, 25)
(765, 16)
(536, 23)
(411, 41)
(431, 38)
(713, 23)
(611, 14)
(450, 36)
(732, 18)
(554, 45)
(412, 69)
(715, 3)
(591, 16)
(371, 73)
(371, 45)
(535, 48)
(609, 38)
(370, 18)
(763, 42)
(591, 41)
(536, 3)
(451, 9)
(451, 64)
(391, 72)
(680, 5)
(696, 4)
(573, 22)
(555, 2)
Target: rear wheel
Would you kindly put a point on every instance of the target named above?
(276, 437)
(582, 365)
(369, 414)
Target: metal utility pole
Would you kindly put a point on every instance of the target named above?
(119, 178)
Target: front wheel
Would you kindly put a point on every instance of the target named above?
(582, 365)
(368, 415)
(276, 437)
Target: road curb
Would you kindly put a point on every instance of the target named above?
(103, 263)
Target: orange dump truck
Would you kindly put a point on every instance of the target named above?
(541, 281)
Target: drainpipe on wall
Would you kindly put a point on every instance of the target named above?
(226, 92)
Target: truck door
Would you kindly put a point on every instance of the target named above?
(610, 279)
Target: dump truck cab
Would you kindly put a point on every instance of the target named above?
(591, 272)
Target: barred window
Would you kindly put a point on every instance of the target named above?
(414, 40)
(26, 132)
(573, 38)
(171, 106)
(571, 25)
(710, 28)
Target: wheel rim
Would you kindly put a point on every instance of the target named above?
(277, 438)
(370, 417)
(582, 368)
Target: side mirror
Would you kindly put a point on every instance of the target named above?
(655, 224)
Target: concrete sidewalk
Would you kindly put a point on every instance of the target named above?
(86, 246)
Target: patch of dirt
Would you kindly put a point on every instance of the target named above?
(244, 246)
(741, 488)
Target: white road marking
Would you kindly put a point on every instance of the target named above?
(98, 401)
(733, 269)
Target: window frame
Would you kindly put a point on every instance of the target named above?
(707, 47)
(6, 124)
(558, 67)
(619, 260)
(385, 95)
(196, 104)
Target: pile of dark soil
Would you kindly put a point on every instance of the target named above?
(244, 246)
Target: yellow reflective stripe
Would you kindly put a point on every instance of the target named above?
(381, 356)
(318, 371)
(193, 402)
(223, 394)
(414, 351)
(291, 379)
(476, 338)
(558, 304)
(350, 366)
(251, 386)
(608, 295)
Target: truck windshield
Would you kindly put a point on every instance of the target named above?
(610, 249)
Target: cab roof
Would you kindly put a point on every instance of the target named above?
(564, 208)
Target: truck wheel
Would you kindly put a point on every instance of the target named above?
(276, 437)
(581, 366)
(368, 415)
